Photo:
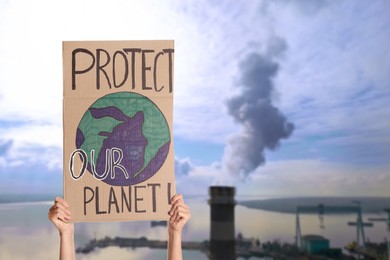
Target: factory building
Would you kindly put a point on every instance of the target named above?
(314, 244)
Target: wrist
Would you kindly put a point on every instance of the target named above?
(174, 232)
(68, 233)
(174, 237)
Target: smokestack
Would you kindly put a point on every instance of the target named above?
(222, 240)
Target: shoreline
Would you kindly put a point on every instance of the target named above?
(369, 205)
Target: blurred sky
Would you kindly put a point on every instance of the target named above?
(279, 98)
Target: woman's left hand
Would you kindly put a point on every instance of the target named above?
(179, 214)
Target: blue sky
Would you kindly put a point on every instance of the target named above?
(325, 66)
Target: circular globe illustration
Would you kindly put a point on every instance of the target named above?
(126, 137)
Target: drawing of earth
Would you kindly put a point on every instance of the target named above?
(129, 135)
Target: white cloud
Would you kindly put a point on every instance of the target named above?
(33, 144)
(182, 167)
(36, 134)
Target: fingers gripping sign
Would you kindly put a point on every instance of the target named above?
(60, 215)
(179, 213)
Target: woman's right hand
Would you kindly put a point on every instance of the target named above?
(61, 216)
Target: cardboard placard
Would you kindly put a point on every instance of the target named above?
(117, 119)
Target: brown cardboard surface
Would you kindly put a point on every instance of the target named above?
(117, 118)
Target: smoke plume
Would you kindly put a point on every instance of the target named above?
(262, 124)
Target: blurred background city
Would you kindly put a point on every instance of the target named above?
(286, 101)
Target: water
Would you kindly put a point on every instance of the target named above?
(26, 232)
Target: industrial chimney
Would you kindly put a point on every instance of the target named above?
(222, 240)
